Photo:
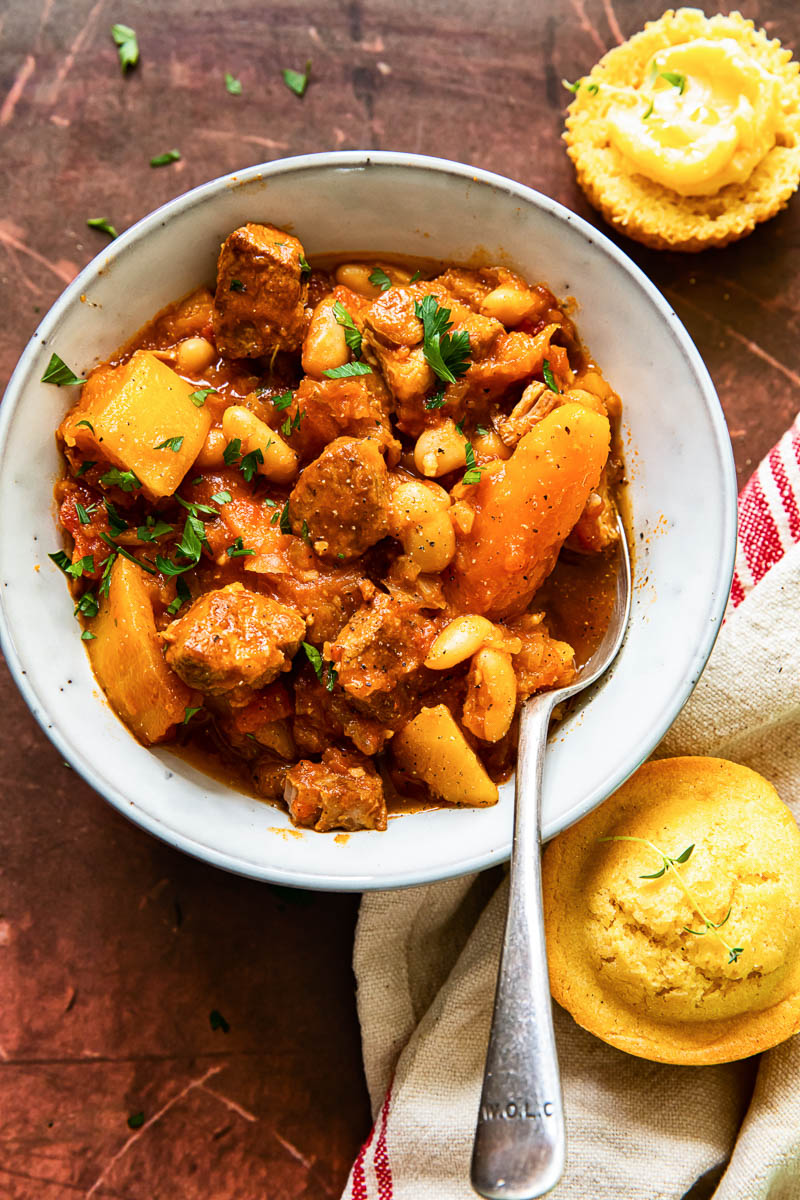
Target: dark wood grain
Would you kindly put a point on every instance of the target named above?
(114, 948)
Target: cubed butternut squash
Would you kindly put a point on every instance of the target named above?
(433, 748)
(525, 508)
(128, 660)
(139, 417)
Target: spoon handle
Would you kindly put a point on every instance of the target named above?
(519, 1140)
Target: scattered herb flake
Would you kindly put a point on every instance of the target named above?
(549, 377)
(162, 160)
(415, 277)
(182, 595)
(60, 374)
(437, 401)
(283, 401)
(85, 466)
(236, 285)
(61, 560)
(222, 497)
(286, 524)
(173, 443)
(127, 554)
(292, 422)
(127, 46)
(218, 1021)
(232, 452)
(88, 424)
(237, 550)
(352, 335)
(87, 606)
(153, 530)
(136, 1120)
(649, 111)
(103, 225)
(251, 462)
(188, 713)
(232, 85)
(305, 268)
(116, 523)
(348, 370)
(297, 81)
(380, 279)
(199, 397)
(88, 636)
(84, 514)
(324, 671)
(125, 480)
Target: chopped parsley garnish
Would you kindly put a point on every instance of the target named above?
(153, 529)
(188, 713)
(285, 522)
(84, 514)
(304, 534)
(136, 1120)
(236, 285)
(125, 480)
(237, 550)
(437, 401)
(195, 507)
(88, 636)
(460, 426)
(292, 422)
(550, 378)
(127, 46)
(75, 569)
(87, 606)
(232, 452)
(125, 554)
(222, 497)
(649, 111)
(198, 398)
(481, 430)
(283, 401)
(88, 424)
(446, 353)
(352, 335)
(105, 581)
(251, 462)
(182, 595)
(60, 374)
(217, 1021)
(192, 541)
(233, 86)
(297, 81)
(305, 268)
(173, 443)
(103, 225)
(162, 160)
(324, 671)
(347, 370)
(380, 279)
(473, 473)
(85, 466)
(116, 523)
(677, 80)
(415, 277)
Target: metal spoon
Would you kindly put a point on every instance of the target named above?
(519, 1145)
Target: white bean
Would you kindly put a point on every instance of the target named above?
(440, 450)
(194, 355)
(491, 695)
(212, 450)
(508, 303)
(431, 545)
(325, 345)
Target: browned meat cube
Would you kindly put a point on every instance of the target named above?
(258, 306)
(344, 791)
(322, 717)
(233, 640)
(341, 500)
(269, 777)
(379, 655)
(356, 407)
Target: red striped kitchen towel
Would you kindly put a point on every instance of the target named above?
(425, 960)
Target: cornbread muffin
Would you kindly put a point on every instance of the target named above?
(621, 959)
(648, 210)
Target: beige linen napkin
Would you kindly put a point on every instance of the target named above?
(426, 960)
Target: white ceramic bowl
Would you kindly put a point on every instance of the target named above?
(682, 489)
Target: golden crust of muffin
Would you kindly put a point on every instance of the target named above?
(621, 961)
(647, 211)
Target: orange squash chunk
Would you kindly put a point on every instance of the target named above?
(127, 658)
(526, 507)
(131, 410)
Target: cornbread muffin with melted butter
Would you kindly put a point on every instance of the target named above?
(672, 914)
(688, 134)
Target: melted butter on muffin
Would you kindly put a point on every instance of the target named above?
(621, 959)
(706, 116)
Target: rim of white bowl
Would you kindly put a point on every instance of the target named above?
(365, 158)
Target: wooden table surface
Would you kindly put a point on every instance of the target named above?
(114, 949)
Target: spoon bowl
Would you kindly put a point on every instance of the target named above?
(520, 1143)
